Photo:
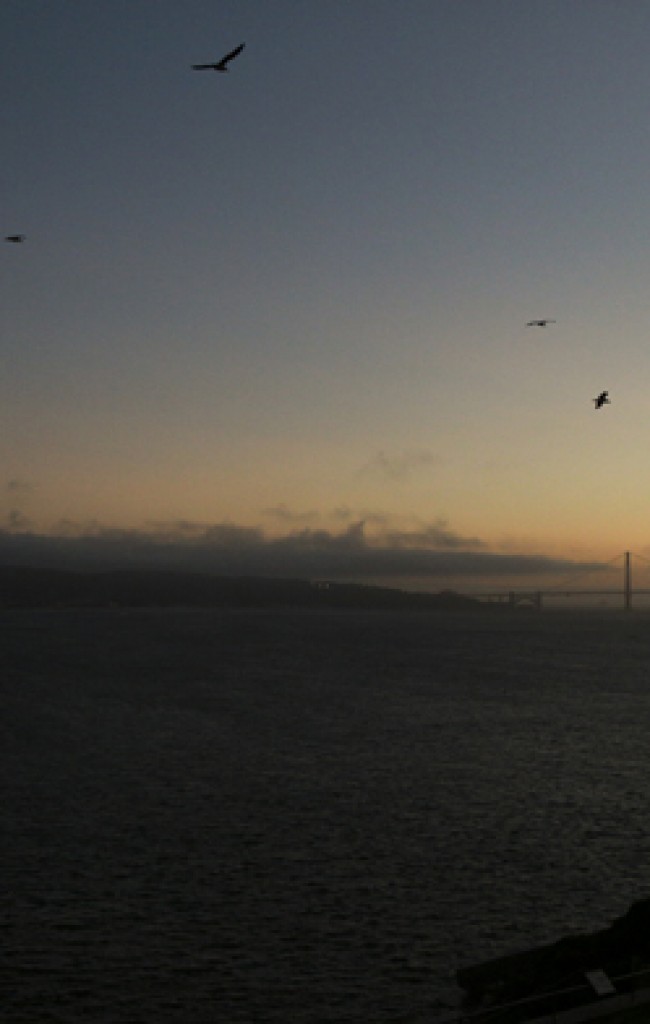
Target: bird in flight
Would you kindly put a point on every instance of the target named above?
(15, 238)
(602, 399)
(540, 323)
(221, 64)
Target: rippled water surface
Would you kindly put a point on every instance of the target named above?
(306, 817)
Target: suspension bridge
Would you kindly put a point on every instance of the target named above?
(622, 587)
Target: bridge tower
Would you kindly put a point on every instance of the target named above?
(627, 582)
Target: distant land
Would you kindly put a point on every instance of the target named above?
(23, 587)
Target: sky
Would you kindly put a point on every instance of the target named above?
(275, 320)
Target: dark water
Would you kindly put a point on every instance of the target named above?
(306, 817)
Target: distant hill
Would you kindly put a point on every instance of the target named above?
(22, 587)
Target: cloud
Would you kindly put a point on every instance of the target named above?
(340, 514)
(436, 535)
(17, 487)
(286, 515)
(18, 522)
(398, 467)
(18, 492)
(229, 549)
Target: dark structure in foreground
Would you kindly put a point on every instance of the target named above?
(554, 977)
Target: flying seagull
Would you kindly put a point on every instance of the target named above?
(602, 399)
(14, 238)
(540, 323)
(220, 65)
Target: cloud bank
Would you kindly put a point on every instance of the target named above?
(228, 549)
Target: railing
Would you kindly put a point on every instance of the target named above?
(576, 1003)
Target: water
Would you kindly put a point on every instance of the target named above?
(309, 817)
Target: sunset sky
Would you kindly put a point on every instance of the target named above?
(275, 319)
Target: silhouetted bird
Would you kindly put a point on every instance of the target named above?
(220, 65)
(602, 399)
(540, 323)
(14, 238)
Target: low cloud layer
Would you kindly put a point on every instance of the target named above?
(433, 536)
(227, 549)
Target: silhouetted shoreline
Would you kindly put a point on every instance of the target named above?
(24, 587)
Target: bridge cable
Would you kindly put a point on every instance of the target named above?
(580, 574)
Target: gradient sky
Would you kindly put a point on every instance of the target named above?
(275, 304)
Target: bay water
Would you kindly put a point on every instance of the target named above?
(286, 816)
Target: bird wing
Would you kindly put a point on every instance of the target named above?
(233, 53)
(202, 67)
